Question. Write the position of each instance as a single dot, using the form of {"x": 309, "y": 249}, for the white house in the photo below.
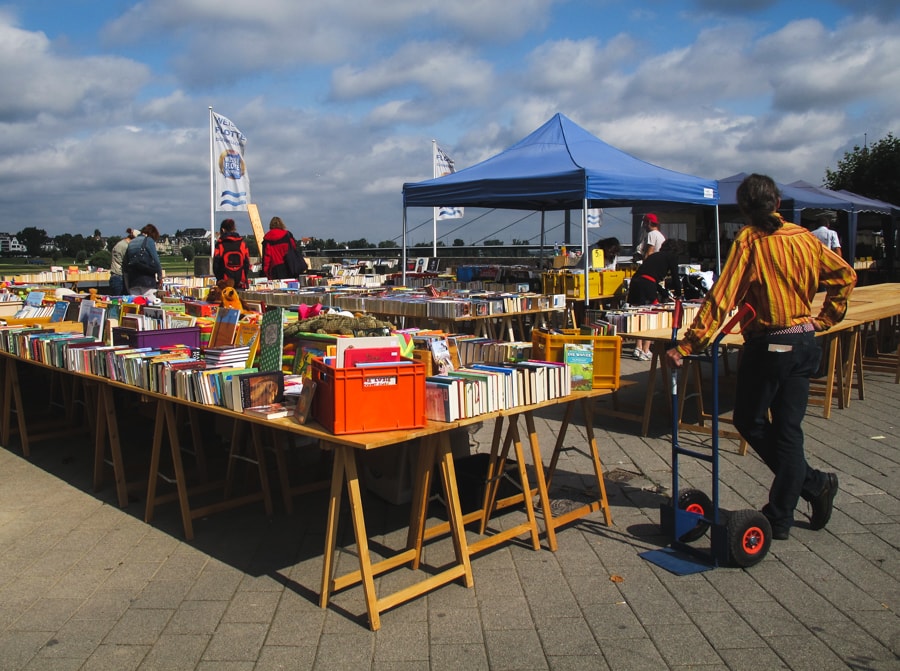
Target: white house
{"x": 9, "y": 244}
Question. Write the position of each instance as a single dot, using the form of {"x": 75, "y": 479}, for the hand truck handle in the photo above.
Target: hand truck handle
{"x": 745, "y": 309}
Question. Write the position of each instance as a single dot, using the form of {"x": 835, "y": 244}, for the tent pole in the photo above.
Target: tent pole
{"x": 718, "y": 245}
{"x": 585, "y": 256}
{"x": 541, "y": 255}
{"x": 403, "y": 256}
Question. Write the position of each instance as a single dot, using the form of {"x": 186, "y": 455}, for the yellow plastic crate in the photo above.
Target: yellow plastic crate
{"x": 607, "y": 353}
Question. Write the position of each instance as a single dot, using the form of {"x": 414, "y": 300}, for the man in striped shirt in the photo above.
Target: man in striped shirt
{"x": 777, "y": 268}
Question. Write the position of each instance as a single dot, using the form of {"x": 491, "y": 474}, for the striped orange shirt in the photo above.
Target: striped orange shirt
{"x": 778, "y": 274}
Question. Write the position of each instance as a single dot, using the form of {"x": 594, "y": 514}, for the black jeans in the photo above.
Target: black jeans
{"x": 773, "y": 377}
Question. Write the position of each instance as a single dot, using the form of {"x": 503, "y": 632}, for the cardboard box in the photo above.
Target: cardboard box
{"x": 607, "y": 353}
{"x": 371, "y": 398}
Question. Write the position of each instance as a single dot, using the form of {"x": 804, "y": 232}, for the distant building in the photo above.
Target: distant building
{"x": 9, "y": 244}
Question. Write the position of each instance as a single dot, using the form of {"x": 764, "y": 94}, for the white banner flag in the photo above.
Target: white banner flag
{"x": 232, "y": 182}
{"x": 443, "y": 165}
{"x": 594, "y": 218}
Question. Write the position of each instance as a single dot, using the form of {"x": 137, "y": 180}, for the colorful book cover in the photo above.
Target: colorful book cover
{"x": 248, "y": 336}
{"x": 579, "y": 359}
{"x": 271, "y": 340}
{"x": 225, "y": 327}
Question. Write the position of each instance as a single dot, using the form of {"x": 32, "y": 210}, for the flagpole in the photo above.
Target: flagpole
{"x": 212, "y": 185}
{"x": 434, "y": 209}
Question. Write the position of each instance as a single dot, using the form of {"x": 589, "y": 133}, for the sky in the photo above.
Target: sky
{"x": 104, "y": 104}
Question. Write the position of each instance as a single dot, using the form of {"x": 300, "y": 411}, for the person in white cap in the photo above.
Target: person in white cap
{"x": 116, "y": 277}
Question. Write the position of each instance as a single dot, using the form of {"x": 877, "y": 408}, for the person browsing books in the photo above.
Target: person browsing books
{"x": 116, "y": 276}
{"x": 644, "y": 286}
{"x": 232, "y": 258}
{"x": 610, "y": 248}
{"x": 140, "y": 265}
{"x": 277, "y": 242}
{"x": 776, "y": 267}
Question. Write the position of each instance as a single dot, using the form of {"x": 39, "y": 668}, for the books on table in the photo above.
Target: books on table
{"x": 268, "y": 411}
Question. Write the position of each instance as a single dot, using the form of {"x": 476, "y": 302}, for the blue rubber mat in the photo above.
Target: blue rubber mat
{"x": 679, "y": 563}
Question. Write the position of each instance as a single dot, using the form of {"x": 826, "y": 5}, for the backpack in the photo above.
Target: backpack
{"x": 140, "y": 263}
{"x": 233, "y": 260}
{"x": 295, "y": 262}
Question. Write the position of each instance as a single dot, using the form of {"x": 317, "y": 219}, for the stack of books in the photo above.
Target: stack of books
{"x": 226, "y": 356}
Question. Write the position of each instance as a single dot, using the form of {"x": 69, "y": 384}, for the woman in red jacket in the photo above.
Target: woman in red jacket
{"x": 276, "y": 244}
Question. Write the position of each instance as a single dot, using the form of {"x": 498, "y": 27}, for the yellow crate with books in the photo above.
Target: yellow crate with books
{"x": 574, "y": 285}
{"x": 549, "y": 346}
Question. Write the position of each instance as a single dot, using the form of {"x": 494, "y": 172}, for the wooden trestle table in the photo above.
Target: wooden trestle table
{"x": 435, "y": 450}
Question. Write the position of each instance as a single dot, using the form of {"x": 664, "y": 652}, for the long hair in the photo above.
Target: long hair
{"x": 151, "y": 232}
{"x": 758, "y": 197}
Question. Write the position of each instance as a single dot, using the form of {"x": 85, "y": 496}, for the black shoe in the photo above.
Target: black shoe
{"x": 780, "y": 532}
{"x": 823, "y": 503}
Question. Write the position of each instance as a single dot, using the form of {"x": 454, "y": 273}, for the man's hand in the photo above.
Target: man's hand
{"x": 674, "y": 357}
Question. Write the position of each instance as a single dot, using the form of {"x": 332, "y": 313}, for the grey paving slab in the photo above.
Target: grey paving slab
{"x": 86, "y": 585}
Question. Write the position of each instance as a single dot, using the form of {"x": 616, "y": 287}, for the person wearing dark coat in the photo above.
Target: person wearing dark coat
{"x": 276, "y": 244}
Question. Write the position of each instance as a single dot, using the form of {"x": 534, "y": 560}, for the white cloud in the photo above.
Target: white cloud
{"x": 38, "y": 81}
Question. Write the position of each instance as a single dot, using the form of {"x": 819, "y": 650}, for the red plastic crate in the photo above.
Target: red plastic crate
{"x": 376, "y": 398}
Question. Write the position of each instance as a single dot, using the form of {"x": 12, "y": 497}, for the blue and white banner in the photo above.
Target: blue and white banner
{"x": 232, "y": 182}
{"x": 443, "y": 165}
{"x": 594, "y": 218}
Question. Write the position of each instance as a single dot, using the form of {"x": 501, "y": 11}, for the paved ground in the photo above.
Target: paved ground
{"x": 85, "y": 585}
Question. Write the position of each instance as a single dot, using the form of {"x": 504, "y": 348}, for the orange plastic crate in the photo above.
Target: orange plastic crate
{"x": 372, "y": 398}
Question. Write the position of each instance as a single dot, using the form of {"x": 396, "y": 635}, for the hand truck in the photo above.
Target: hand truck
{"x": 738, "y": 538}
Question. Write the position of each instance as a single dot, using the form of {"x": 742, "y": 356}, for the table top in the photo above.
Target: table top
{"x": 868, "y": 303}
{"x": 362, "y": 441}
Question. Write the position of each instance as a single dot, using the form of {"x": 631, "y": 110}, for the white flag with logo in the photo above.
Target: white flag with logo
{"x": 443, "y": 165}
{"x": 232, "y": 182}
{"x": 594, "y": 218}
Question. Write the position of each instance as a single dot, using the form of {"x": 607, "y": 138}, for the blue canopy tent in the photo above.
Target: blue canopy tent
{"x": 794, "y": 199}
{"x": 857, "y": 204}
{"x": 560, "y": 166}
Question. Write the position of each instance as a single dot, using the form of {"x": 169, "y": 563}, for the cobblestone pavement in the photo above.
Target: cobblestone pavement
{"x": 87, "y": 585}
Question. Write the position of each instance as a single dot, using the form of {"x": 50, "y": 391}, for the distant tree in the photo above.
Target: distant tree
{"x": 422, "y": 244}
{"x": 493, "y": 242}
{"x": 201, "y": 247}
{"x": 516, "y": 241}
{"x": 32, "y": 238}
{"x": 362, "y": 243}
{"x": 97, "y": 233}
{"x": 92, "y": 245}
{"x": 387, "y": 244}
{"x": 55, "y": 255}
{"x": 75, "y": 244}
{"x": 252, "y": 245}
{"x": 81, "y": 256}
{"x": 330, "y": 243}
{"x": 112, "y": 241}
{"x": 459, "y": 242}
{"x": 101, "y": 259}
{"x": 872, "y": 171}
{"x": 188, "y": 252}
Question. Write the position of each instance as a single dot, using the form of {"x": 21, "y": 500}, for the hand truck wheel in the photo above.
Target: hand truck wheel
{"x": 695, "y": 501}
{"x": 749, "y": 537}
